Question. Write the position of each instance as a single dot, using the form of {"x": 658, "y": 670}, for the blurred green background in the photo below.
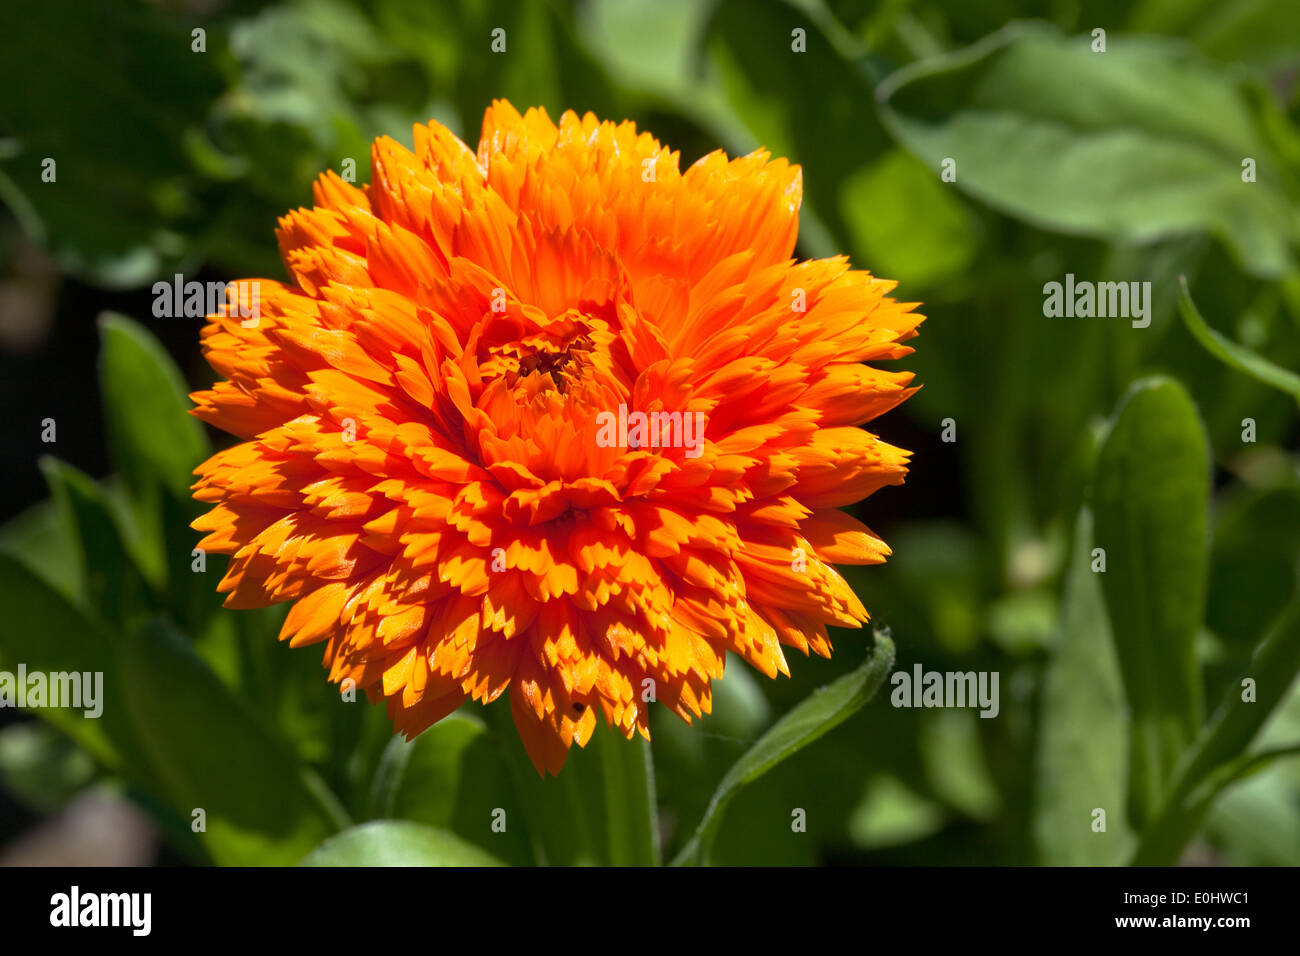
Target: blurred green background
{"x": 1122, "y": 165}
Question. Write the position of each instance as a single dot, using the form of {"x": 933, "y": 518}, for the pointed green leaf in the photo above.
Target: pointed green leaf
{"x": 44, "y": 632}
{"x": 153, "y": 439}
{"x": 111, "y": 584}
{"x": 812, "y": 717}
{"x": 1151, "y": 502}
{"x": 1083, "y": 730}
{"x": 1233, "y": 355}
{"x": 260, "y": 804}
{"x": 397, "y": 843}
{"x": 40, "y": 539}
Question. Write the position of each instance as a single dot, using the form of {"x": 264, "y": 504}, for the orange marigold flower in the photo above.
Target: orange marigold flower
{"x": 555, "y": 417}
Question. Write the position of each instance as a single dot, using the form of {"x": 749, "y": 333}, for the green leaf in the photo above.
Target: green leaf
{"x": 1142, "y": 142}
{"x": 1083, "y": 730}
{"x": 192, "y": 596}
{"x": 397, "y": 843}
{"x": 1256, "y": 822}
{"x": 1219, "y": 757}
{"x": 40, "y": 539}
{"x": 261, "y": 805}
{"x": 452, "y": 776}
{"x": 650, "y": 45}
{"x": 1233, "y": 355}
{"x": 891, "y": 814}
{"x": 111, "y": 584}
{"x": 1258, "y": 33}
{"x": 814, "y": 716}
{"x": 153, "y": 438}
{"x": 1151, "y": 502}
{"x": 907, "y": 223}
{"x": 44, "y": 632}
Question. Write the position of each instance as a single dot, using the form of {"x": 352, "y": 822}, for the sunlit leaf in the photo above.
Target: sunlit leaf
{"x": 810, "y": 719}
{"x": 397, "y": 843}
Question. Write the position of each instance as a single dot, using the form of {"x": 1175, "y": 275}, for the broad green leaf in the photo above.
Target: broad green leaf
{"x": 110, "y": 584}
{"x": 40, "y": 539}
{"x": 1082, "y": 762}
{"x": 809, "y": 720}
{"x": 649, "y": 44}
{"x": 1142, "y": 142}
{"x": 453, "y": 777}
{"x": 1257, "y": 822}
{"x": 1260, "y": 33}
{"x": 1234, "y": 355}
{"x": 1151, "y": 505}
{"x": 397, "y": 843}
{"x": 906, "y": 223}
{"x": 153, "y": 438}
{"x": 261, "y": 805}
{"x": 43, "y": 632}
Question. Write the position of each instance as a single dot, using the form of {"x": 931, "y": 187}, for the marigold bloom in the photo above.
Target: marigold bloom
{"x": 422, "y": 469}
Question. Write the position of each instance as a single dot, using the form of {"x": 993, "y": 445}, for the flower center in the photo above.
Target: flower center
{"x": 564, "y": 365}
{"x": 559, "y": 351}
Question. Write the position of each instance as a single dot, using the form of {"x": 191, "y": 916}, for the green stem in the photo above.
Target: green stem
{"x": 519, "y": 768}
{"x": 627, "y": 769}
{"x": 1214, "y": 762}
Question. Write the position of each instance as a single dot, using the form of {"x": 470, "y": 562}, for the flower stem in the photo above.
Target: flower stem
{"x": 627, "y": 769}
